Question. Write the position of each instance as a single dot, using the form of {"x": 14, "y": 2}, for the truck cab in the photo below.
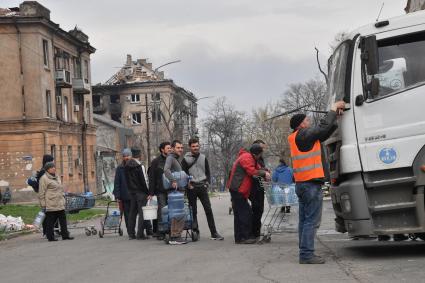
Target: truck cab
{"x": 377, "y": 155}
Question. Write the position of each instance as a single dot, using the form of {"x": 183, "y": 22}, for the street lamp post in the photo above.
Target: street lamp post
{"x": 157, "y": 104}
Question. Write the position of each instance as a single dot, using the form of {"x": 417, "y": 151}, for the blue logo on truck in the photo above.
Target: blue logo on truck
{"x": 388, "y": 155}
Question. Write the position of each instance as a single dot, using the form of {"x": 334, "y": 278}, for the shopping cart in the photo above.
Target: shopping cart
{"x": 111, "y": 222}
{"x": 279, "y": 197}
{"x": 74, "y": 203}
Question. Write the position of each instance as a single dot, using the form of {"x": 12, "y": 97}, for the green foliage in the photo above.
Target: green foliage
{"x": 28, "y": 213}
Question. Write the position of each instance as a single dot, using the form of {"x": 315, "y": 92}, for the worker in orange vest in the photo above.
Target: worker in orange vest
{"x": 309, "y": 175}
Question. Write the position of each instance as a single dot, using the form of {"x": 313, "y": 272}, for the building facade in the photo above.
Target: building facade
{"x": 46, "y": 98}
{"x": 112, "y": 138}
{"x": 155, "y": 108}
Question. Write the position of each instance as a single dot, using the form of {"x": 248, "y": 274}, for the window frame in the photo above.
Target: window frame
{"x": 133, "y": 121}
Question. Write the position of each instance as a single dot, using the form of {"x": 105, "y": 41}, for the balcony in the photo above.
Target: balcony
{"x": 63, "y": 78}
{"x": 80, "y": 86}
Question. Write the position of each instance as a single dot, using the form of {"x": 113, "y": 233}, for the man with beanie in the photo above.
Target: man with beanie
{"x": 195, "y": 164}
{"x": 240, "y": 183}
{"x": 309, "y": 174}
{"x": 139, "y": 194}
{"x": 120, "y": 187}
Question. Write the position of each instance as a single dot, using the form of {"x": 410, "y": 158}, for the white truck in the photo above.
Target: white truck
{"x": 377, "y": 155}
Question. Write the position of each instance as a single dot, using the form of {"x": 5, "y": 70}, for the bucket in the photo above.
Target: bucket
{"x": 150, "y": 212}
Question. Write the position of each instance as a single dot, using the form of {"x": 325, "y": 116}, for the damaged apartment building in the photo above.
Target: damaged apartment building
{"x": 46, "y": 99}
{"x": 140, "y": 98}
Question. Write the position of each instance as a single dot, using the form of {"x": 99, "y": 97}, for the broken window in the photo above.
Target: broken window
{"x": 136, "y": 118}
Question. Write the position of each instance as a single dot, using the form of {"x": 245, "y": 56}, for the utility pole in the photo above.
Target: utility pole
{"x": 148, "y": 143}
{"x": 157, "y": 104}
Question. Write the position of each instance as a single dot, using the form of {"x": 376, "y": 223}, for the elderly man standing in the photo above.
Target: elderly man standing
{"x": 309, "y": 174}
{"x": 120, "y": 187}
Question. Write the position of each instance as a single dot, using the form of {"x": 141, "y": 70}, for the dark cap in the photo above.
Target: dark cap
{"x": 296, "y": 120}
{"x": 256, "y": 149}
{"x": 49, "y": 165}
{"x": 136, "y": 152}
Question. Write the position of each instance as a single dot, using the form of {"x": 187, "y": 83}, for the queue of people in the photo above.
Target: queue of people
{"x": 132, "y": 188}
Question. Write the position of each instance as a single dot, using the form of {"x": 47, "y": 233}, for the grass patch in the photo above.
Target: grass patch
{"x": 104, "y": 202}
{"x": 28, "y": 213}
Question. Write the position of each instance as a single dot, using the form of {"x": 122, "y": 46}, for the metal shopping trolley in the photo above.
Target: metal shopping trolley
{"x": 74, "y": 203}
{"x": 279, "y": 196}
{"x": 111, "y": 222}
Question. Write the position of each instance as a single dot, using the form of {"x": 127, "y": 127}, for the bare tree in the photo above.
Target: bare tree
{"x": 274, "y": 132}
{"x": 312, "y": 93}
{"x": 224, "y": 129}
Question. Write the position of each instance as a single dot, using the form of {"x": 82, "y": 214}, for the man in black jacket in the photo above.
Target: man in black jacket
{"x": 139, "y": 194}
{"x": 155, "y": 172}
{"x": 120, "y": 187}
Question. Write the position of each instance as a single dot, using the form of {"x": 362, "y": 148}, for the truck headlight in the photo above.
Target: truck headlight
{"x": 345, "y": 203}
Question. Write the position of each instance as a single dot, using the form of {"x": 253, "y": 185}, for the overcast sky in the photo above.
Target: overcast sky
{"x": 248, "y": 51}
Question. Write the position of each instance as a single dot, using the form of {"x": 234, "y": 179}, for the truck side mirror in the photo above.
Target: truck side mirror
{"x": 369, "y": 55}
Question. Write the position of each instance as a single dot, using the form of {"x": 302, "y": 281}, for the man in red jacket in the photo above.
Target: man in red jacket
{"x": 240, "y": 184}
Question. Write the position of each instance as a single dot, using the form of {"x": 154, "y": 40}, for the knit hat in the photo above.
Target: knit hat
{"x": 126, "y": 152}
{"x": 47, "y": 158}
{"x": 296, "y": 120}
{"x": 256, "y": 149}
{"x": 136, "y": 152}
{"x": 49, "y": 165}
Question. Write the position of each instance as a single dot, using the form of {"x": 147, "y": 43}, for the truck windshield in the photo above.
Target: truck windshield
{"x": 337, "y": 72}
{"x": 401, "y": 63}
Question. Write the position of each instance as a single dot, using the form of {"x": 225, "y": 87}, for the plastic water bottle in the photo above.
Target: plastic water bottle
{"x": 38, "y": 221}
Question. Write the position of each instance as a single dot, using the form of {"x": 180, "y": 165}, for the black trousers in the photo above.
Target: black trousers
{"x": 201, "y": 192}
{"x": 242, "y": 214}
{"x": 126, "y": 210}
{"x": 50, "y": 220}
{"x": 162, "y": 201}
{"x": 137, "y": 201}
{"x": 257, "y": 201}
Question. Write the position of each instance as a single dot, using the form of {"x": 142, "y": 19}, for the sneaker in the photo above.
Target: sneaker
{"x": 217, "y": 236}
{"x": 314, "y": 260}
{"x": 178, "y": 241}
{"x": 68, "y": 238}
{"x": 131, "y": 237}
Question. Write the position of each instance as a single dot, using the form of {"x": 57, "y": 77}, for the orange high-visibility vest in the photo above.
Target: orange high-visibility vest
{"x": 306, "y": 165}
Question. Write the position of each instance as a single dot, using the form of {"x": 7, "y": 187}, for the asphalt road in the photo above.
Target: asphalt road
{"x": 116, "y": 259}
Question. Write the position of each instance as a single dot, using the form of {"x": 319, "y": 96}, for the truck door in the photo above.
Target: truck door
{"x": 389, "y": 115}
{"x": 391, "y": 123}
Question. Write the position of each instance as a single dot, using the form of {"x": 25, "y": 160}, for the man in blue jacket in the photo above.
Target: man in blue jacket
{"x": 120, "y": 186}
